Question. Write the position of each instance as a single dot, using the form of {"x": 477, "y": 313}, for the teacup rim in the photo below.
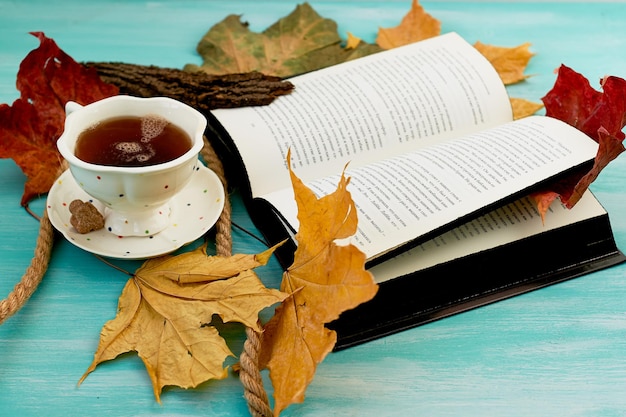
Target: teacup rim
{"x": 79, "y": 163}
{"x": 194, "y": 151}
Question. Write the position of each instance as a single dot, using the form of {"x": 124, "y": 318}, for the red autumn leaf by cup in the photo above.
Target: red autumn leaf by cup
{"x": 47, "y": 79}
{"x": 599, "y": 114}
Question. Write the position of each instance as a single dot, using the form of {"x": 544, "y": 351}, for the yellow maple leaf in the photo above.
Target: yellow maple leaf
{"x": 325, "y": 279}
{"x": 196, "y": 266}
{"x": 510, "y": 63}
{"x": 415, "y": 26}
{"x": 523, "y": 108}
{"x": 353, "y": 41}
{"x": 167, "y": 322}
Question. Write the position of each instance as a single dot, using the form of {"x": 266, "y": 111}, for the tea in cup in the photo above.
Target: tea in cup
{"x": 133, "y": 155}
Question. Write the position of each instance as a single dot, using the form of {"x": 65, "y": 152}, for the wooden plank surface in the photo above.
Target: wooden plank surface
{"x": 557, "y": 351}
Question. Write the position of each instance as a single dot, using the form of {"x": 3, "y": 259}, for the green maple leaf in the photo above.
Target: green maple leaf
{"x": 301, "y": 42}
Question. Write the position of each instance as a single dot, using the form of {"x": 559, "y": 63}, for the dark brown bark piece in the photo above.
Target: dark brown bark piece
{"x": 200, "y": 90}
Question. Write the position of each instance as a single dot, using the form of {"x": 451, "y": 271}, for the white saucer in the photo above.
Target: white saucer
{"x": 194, "y": 210}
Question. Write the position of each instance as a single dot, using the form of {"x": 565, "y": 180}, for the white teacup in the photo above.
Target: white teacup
{"x": 136, "y": 198}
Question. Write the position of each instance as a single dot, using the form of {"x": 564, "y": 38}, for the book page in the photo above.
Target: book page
{"x": 407, "y": 196}
{"x": 368, "y": 109}
{"x": 504, "y": 225}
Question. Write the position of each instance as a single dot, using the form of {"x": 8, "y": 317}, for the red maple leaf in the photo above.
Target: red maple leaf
{"x": 601, "y": 115}
{"x": 573, "y": 100}
{"x": 47, "y": 79}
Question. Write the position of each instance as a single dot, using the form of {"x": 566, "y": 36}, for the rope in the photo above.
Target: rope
{"x": 250, "y": 376}
{"x": 34, "y": 273}
{"x": 223, "y": 237}
{"x": 249, "y": 373}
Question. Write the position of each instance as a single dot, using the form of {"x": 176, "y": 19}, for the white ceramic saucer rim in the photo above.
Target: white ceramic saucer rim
{"x": 200, "y": 202}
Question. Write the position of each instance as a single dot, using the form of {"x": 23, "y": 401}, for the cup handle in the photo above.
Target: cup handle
{"x": 72, "y": 106}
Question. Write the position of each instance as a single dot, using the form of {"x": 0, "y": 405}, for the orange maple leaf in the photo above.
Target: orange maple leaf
{"x": 325, "y": 279}
{"x": 415, "y": 26}
{"x": 509, "y": 62}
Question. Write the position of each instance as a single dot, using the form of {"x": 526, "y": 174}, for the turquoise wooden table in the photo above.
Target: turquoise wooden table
{"x": 558, "y": 351}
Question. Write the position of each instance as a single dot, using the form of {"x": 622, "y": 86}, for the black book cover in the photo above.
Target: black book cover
{"x": 480, "y": 278}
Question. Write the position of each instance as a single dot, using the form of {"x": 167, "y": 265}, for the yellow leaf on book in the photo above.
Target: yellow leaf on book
{"x": 325, "y": 279}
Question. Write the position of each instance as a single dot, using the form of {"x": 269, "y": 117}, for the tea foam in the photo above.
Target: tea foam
{"x": 130, "y": 151}
{"x": 151, "y": 127}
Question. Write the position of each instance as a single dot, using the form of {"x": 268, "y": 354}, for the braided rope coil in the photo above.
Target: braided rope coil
{"x": 34, "y": 273}
{"x": 249, "y": 374}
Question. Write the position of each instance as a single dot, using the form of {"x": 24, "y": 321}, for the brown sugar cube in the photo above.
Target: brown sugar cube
{"x": 85, "y": 217}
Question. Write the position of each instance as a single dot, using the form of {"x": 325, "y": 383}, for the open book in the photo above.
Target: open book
{"x": 427, "y": 134}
